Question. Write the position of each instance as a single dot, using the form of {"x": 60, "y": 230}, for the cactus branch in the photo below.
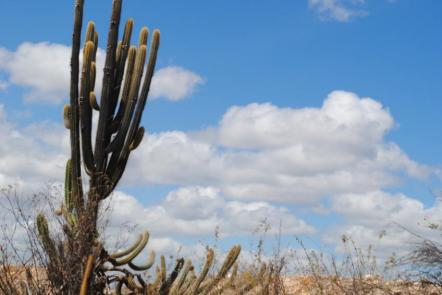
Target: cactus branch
{"x": 108, "y": 80}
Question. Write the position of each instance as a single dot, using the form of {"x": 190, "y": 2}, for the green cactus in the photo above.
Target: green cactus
{"x": 128, "y": 73}
{"x": 43, "y": 232}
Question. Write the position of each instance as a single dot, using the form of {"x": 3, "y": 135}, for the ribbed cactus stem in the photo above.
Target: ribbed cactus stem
{"x": 175, "y": 289}
{"x": 204, "y": 271}
{"x": 234, "y": 274}
{"x": 68, "y": 204}
{"x": 128, "y": 250}
{"x": 93, "y": 101}
{"x": 144, "y": 33}
{"x": 146, "y": 266}
{"x": 67, "y": 116}
{"x": 137, "y": 139}
{"x": 93, "y": 75}
{"x": 96, "y": 45}
{"x": 156, "y": 284}
{"x": 118, "y": 53}
{"x": 90, "y": 31}
{"x": 118, "y": 134}
{"x": 43, "y": 232}
{"x": 122, "y": 159}
{"x": 228, "y": 263}
{"x": 165, "y": 287}
{"x": 131, "y": 255}
{"x": 163, "y": 269}
{"x": 131, "y": 102}
{"x": 85, "y": 109}
{"x": 106, "y": 101}
{"x": 190, "y": 280}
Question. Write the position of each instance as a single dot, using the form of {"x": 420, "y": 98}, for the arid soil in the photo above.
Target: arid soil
{"x": 307, "y": 285}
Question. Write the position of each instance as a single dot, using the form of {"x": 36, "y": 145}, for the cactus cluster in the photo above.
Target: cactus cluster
{"x": 128, "y": 73}
{"x": 79, "y": 264}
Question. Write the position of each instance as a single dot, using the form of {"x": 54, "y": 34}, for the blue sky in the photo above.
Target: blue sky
{"x": 265, "y": 57}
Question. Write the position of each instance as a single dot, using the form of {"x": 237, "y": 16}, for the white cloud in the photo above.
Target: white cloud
{"x": 198, "y": 211}
{"x": 338, "y": 10}
{"x": 174, "y": 83}
{"x": 43, "y": 70}
{"x": 232, "y": 174}
{"x": 34, "y": 154}
{"x": 263, "y": 152}
{"x": 378, "y": 218}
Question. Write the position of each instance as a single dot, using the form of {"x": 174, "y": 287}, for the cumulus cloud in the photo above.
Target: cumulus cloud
{"x": 338, "y": 10}
{"x": 384, "y": 220}
{"x": 233, "y": 174}
{"x": 43, "y": 70}
{"x": 263, "y": 152}
{"x": 34, "y": 154}
{"x": 198, "y": 211}
{"x": 174, "y": 83}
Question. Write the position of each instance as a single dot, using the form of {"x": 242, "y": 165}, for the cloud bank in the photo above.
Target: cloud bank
{"x": 43, "y": 70}
{"x": 258, "y": 163}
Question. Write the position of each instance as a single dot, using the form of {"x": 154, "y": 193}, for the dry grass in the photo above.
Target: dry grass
{"x": 310, "y": 285}
{"x": 355, "y": 272}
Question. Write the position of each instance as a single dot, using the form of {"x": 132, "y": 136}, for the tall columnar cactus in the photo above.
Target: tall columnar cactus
{"x": 79, "y": 264}
{"x": 125, "y": 88}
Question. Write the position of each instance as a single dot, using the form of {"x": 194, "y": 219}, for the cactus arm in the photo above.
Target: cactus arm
{"x": 121, "y": 57}
{"x": 126, "y": 87}
{"x": 133, "y": 93}
{"x": 153, "y": 287}
{"x": 108, "y": 80}
{"x": 234, "y": 274}
{"x": 87, "y": 275}
{"x": 68, "y": 187}
{"x": 43, "y": 232}
{"x": 134, "y": 128}
{"x": 134, "y": 253}
{"x": 228, "y": 263}
{"x": 137, "y": 139}
{"x": 144, "y": 34}
{"x": 190, "y": 280}
{"x": 85, "y": 107}
{"x": 207, "y": 265}
{"x": 146, "y": 85}
{"x": 165, "y": 287}
{"x": 120, "y": 62}
{"x": 90, "y": 32}
{"x": 163, "y": 269}
{"x": 93, "y": 101}
{"x": 174, "y": 290}
{"x": 128, "y": 250}
{"x": 146, "y": 266}
{"x": 141, "y": 282}
{"x": 96, "y": 45}
{"x": 119, "y": 114}
{"x": 129, "y": 144}
{"x": 67, "y": 116}
{"x": 93, "y": 74}
{"x": 77, "y": 189}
